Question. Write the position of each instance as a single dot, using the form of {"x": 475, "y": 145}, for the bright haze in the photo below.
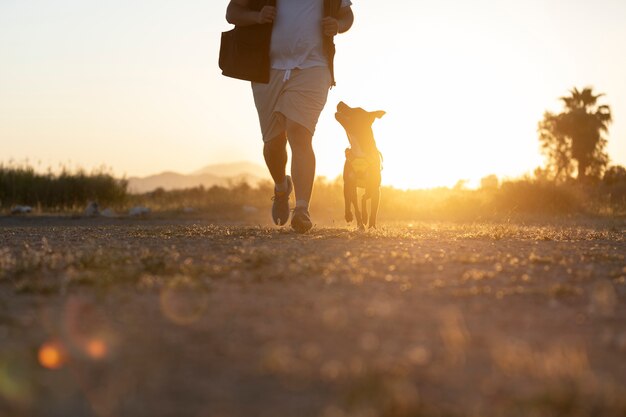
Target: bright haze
{"x": 134, "y": 85}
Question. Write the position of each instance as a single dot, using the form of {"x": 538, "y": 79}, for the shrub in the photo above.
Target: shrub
{"x": 538, "y": 197}
{"x": 22, "y": 185}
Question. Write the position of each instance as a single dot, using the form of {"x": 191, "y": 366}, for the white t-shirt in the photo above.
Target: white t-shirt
{"x": 297, "y": 39}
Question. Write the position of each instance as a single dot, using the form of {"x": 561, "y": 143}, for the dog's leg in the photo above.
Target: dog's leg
{"x": 357, "y": 212}
{"x": 347, "y": 198}
{"x": 375, "y": 203}
{"x": 349, "y": 193}
{"x": 364, "y": 207}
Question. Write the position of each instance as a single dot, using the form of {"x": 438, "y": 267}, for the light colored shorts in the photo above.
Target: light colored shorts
{"x": 300, "y": 97}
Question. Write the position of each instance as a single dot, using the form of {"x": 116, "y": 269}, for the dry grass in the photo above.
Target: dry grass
{"x": 70, "y": 191}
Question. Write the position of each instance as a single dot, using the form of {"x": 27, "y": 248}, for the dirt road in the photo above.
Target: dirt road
{"x": 188, "y": 318}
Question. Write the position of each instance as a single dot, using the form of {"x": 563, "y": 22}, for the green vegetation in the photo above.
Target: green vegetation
{"x": 512, "y": 198}
{"x": 70, "y": 192}
{"x": 20, "y": 184}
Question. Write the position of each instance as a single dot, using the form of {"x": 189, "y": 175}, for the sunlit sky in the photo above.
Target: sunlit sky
{"x": 134, "y": 85}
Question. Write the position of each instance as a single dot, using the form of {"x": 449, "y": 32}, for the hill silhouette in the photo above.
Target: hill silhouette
{"x": 234, "y": 169}
{"x": 208, "y": 176}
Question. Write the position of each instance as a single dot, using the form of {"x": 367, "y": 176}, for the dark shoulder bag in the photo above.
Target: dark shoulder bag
{"x": 245, "y": 50}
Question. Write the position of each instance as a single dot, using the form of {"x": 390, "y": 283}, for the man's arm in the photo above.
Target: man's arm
{"x": 345, "y": 19}
{"x": 341, "y": 24}
{"x": 238, "y": 13}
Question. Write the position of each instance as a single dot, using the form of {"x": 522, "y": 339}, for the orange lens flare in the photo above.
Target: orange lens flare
{"x": 52, "y": 355}
{"x": 96, "y": 349}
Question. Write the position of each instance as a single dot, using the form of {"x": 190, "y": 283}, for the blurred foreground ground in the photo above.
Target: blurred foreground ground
{"x": 119, "y": 317}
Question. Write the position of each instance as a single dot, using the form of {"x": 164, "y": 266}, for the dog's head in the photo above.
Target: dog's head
{"x": 358, "y": 124}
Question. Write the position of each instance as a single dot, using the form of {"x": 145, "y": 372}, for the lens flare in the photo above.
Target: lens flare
{"x": 96, "y": 349}
{"x": 52, "y": 355}
{"x": 16, "y": 380}
{"x": 87, "y": 330}
{"x": 183, "y": 300}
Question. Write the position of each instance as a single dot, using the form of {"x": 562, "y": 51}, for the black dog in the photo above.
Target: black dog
{"x": 363, "y": 163}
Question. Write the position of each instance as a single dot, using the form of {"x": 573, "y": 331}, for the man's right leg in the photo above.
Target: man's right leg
{"x": 275, "y": 154}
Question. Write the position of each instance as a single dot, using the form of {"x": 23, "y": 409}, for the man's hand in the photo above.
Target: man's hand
{"x": 239, "y": 14}
{"x": 330, "y": 26}
{"x": 267, "y": 15}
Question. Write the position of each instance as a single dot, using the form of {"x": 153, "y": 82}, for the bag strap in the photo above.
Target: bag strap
{"x": 331, "y": 7}
{"x": 259, "y": 4}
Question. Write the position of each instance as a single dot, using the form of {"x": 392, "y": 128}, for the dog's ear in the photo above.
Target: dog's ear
{"x": 378, "y": 114}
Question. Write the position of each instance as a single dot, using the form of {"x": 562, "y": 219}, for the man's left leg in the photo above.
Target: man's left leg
{"x": 302, "y": 173}
{"x": 302, "y": 161}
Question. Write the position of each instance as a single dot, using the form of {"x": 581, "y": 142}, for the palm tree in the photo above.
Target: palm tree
{"x": 584, "y": 122}
{"x": 556, "y": 147}
{"x": 576, "y": 134}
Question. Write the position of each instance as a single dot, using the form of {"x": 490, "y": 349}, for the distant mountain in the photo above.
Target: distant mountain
{"x": 234, "y": 169}
{"x": 210, "y": 175}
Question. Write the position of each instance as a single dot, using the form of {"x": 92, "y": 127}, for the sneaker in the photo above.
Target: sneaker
{"x": 280, "y": 207}
{"x": 301, "y": 220}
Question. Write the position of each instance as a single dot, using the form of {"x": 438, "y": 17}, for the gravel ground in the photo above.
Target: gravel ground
{"x": 167, "y": 317}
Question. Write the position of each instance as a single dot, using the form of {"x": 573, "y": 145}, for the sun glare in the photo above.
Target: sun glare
{"x": 466, "y": 107}
{"x": 441, "y": 142}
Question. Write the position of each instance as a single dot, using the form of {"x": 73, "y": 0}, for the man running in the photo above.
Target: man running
{"x": 289, "y": 106}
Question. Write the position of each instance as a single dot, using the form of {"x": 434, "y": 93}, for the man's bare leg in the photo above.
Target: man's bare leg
{"x": 302, "y": 161}
{"x": 275, "y": 154}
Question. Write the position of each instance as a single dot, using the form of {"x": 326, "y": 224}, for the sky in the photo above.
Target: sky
{"x": 134, "y": 86}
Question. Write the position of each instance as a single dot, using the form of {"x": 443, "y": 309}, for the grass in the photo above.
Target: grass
{"x": 66, "y": 190}
{"x": 70, "y": 191}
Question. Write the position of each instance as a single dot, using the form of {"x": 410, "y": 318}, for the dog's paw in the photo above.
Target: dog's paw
{"x": 349, "y": 217}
